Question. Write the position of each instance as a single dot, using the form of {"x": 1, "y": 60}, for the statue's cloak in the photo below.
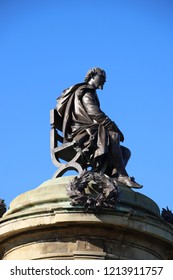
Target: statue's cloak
{"x": 83, "y": 121}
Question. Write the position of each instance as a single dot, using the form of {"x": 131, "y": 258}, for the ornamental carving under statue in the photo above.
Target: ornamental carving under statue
{"x": 93, "y": 190}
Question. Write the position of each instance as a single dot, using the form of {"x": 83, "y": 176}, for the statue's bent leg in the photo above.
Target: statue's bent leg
{"x": 116, "y": 154}
{"x": 126, "y": 153}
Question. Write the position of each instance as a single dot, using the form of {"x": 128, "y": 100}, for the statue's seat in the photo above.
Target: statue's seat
{"x": 65, "y": 156}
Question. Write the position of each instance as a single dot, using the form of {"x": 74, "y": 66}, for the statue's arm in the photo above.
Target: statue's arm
{"x": 93, "y": 110}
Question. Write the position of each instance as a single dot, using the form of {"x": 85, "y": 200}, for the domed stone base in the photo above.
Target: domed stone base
{"x": 42, "y": 224}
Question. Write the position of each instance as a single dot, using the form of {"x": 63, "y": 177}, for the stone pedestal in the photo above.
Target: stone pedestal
{"x": 41, "y": 224}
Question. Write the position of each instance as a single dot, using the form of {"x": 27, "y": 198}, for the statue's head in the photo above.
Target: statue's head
{"x": 96, "y": 76}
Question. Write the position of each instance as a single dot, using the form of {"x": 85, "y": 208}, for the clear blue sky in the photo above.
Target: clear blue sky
{"x": 47, "y": 46}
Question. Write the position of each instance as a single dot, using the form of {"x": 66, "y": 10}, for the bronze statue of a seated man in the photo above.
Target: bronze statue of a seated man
{"x": 94, "y": 132}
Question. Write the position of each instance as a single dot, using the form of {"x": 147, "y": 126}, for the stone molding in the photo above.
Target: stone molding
{"x": 41, "y": 224}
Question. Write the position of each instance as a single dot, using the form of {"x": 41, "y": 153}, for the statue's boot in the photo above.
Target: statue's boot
{"x": 129, "y": 182}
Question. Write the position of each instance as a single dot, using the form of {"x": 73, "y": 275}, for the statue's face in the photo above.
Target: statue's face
{"x": 98, "y": 81}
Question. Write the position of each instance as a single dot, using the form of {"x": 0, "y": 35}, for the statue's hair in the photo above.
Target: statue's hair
{"x": 92, "y": 72}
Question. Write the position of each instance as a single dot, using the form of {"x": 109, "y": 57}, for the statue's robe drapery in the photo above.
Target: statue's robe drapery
{"x": 82, "y": 120}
